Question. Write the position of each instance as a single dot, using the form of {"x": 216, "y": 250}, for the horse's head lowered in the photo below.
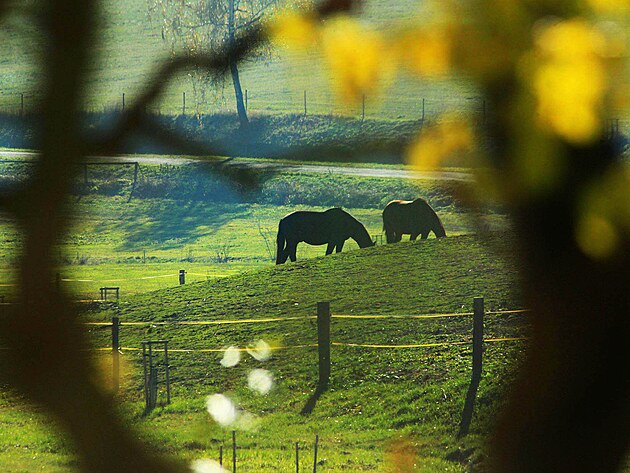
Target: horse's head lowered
{"x": 361, "y": 235}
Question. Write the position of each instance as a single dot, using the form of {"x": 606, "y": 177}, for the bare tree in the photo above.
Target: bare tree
{"x": 206, "y": 25}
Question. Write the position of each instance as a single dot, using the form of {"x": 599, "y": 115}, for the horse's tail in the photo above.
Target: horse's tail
{"x": 280, "y": 244}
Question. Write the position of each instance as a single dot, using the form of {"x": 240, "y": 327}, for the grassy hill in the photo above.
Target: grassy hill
{"x": 377, "y": 395}
{"x": 380, "y": 399}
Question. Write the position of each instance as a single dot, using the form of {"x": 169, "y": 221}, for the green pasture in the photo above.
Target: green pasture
{"x": 378, "y": 398}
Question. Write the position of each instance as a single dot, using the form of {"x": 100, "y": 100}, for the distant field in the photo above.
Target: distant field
{"x": 131, "y": 46}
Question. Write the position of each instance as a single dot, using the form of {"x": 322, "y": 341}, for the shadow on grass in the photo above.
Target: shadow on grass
{"x": 171, "y": 224}
{"x": 310, "y": 404}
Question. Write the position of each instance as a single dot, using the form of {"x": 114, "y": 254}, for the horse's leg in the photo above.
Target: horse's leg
{"x": 330, "y": 248}
{"x": 340, "y": 246}
{"x": 397, "y": 237}
{"x": 292, "y": 251}
{"x": 281, "y": 257}
{"x": 390, "y": 236}
{"x": 424, "y": 236}
{"x": 413, "y": 236}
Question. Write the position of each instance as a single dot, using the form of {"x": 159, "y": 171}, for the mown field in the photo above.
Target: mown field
{"x": 380, "y": 401}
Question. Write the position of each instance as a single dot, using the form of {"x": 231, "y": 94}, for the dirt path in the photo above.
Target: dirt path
{"x": 381, "y": 172}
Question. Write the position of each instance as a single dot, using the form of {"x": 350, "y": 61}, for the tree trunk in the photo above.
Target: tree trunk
{"x": 238, "y": 91}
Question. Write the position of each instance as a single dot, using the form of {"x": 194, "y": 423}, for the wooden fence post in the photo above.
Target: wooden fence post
{"x": 183, "y": 103}
{"x": 168, "y": 376}
{"x": 297, "y": 457}
{"x": 115, "y": 353}
{"x": 315, "y": 454}
{"x": 477, "y": 364}
{"x": 363, "y": 109}
{"x": 234, "y": 451}
{"x": 477, "y": 352}
{"x": 145, "y": 374}
{"x": 323, "y": 344}
{"x": 305, "y": 103}
{"x": 182, "y": 276}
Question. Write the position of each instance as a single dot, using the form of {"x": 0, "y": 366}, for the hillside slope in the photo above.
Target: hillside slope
{"x": 436, "y": 275}
{"x": 432, "y": 276}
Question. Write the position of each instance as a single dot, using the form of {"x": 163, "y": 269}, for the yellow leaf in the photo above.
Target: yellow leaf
{"x": 426, "y": 52}
{"x": 434, "y": 144}
{"x": 293, "y": 30}
{"x": 355, "y": 57}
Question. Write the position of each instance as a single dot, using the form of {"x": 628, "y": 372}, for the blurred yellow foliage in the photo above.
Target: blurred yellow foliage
{"x": 356, "y": 58}
{"x": 596, "y": 236}
{"x": 569, "y": 79}
{"x": 102, "y": 374}
{"x": 604, "y": 214}
{"x": 435, "y": 143}
{"x": 614, "y": 7}
{"x": 294, "y": 30}
{"x": 426, "y": 52}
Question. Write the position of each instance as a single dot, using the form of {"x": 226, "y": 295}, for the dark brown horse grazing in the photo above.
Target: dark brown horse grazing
{"x": 413, "y": 217}
{"x": 332, "y": 227}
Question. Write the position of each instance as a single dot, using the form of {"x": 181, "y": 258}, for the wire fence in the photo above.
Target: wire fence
{"x": 270, "y": 320}
{"x": 312, "y": 102}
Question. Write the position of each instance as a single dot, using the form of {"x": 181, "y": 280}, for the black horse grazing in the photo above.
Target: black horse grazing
{"x": 332, "y": 227}
{"x": 413, "y": 217}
